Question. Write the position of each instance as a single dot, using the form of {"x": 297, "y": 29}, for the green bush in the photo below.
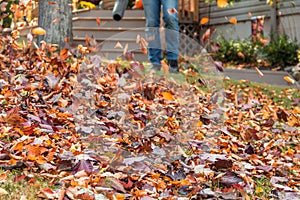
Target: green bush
{"x": 238, "y": 52}
{"x": 281, "y": 51}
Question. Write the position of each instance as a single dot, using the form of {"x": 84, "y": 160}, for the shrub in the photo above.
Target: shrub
{"x": 281, "y": 51}
{"x": 238, "y": 52}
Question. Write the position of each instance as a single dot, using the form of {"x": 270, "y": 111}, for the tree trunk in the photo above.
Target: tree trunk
{"x": 55, "y": 16}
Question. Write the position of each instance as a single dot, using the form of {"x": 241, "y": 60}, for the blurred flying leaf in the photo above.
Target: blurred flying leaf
{"x": 98, "y": 20}
{"x": 233, "y": 20}
{"x": 172, "y": 11}
{"x": 204, "y": 20}
{"x": 38, "y": 31}
{"x": 222, "y": 3}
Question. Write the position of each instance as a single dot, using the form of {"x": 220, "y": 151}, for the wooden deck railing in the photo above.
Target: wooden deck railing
{"x": 188, "y": 11}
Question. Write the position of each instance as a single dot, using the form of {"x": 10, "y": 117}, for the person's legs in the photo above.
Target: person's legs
{"x": 171, "y": 32}
{"x": 152, "y": 13}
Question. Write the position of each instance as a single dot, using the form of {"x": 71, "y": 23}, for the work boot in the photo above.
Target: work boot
{"x": 173, "y": 66}
{"x": 156, "y": 67}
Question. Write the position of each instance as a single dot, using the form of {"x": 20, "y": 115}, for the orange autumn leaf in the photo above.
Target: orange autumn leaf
{"x": 222, "y": 3}
{"x": 38, "y": 31}
{"x": 204, "y": 20}
{"x": 18, "y": 13}
{"x": 233, "y": 20}
{"x": 168, "y": 96}
{"x": 98, "y": 20}
{"x": 140, "y": 193}
{"x": 64, "y": 54}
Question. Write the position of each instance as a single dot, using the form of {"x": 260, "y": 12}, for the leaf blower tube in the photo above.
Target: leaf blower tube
{"x": 119, "y": 9}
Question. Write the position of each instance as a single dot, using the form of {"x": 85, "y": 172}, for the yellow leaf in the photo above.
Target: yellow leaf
{"x": 233, "y": 20}
{"x": 204, "y": 20}
{"x": 38, "y": 31}
{"x": 222, "y": 3}
{"x": 168, "y": 96}
{"x": 258, "y": 190}
{"x": 290, "y": 151}
{"x": 289, "y": 79}
{"x": 292, "y": 120}
{"x": 198, "y": 123}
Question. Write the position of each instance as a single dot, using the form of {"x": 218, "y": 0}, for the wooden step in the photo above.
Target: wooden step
{"x": 107, "y": 32}
{"x": 106, "y": 13}
{"x": 128, "y": 22}
{"x": 114, "y": 54}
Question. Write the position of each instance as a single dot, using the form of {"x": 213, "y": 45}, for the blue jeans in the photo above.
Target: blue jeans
{"x": 152, "y": 9}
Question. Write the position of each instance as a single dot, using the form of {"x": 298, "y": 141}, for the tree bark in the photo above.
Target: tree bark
{"x": 55, "y": 16}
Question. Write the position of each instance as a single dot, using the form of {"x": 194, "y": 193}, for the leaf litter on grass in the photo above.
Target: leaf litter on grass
{"x": 102, "y": 130}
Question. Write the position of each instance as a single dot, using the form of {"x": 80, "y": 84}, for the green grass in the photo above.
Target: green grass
{"x": 27, "y": 186}
{"x": 281, "y": 96}
{"x": 263, "y": 187}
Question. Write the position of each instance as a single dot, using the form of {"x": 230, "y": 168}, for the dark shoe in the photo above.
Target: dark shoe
{"x": 173, "y": 66}
{"x": 156, "y": 67}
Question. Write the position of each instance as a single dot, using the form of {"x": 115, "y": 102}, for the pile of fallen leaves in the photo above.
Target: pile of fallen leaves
{"x": 107, "y": 130}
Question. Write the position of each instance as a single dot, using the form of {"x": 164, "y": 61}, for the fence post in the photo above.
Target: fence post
{"x": 273, "y": 12}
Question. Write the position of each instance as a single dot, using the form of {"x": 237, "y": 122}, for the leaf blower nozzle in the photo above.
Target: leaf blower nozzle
{"x": 119, "y": 9}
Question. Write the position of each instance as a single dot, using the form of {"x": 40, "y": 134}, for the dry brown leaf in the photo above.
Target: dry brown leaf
{"x": 138, "y": 38}
{"x": 125, "y": 51}
{"x": 205, "y": 36}
{"x": 165, "y": 67}
{"x": 260, "y": 74}
{"x": 172, "y": 11}
{"x": 144, "y": 46}
{"x": 55, "y": 20}
{"x": 118, "y": 46}
{"x": 3, "y": 191}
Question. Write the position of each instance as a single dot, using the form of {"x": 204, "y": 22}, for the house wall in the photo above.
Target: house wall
{"x": 288, "y": 21}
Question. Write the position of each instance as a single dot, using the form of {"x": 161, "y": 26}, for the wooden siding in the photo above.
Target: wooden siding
{"x": 288, "y": 20}
{"x": 241, "y": 9}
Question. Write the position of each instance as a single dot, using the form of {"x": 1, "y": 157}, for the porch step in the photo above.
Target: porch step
{"x": 106, "y": 13}
{"x": 113, "y": 54}
{"x": 109, "y": 32}
{"x": 128, "y": 22}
